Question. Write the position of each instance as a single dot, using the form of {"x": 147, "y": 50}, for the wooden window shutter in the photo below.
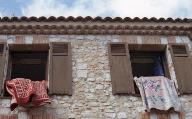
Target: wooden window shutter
{"x": 41, "y": 116}
{"x": 183, "y": 67}
{"x": 60, "y": 77}
{"x": 144, "y": 115}
{"x": 163, "y": 116}
{"x": 2, "y": 65}
{"x": 120, "y": 68}
{"x": 159, "y": 115}
{"x": 13, "y": 116}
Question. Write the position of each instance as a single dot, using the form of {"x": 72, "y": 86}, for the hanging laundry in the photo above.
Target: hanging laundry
{"x": 40, "y": 96}
{"x": 22, "y": 90}
{"x": 158, "y": 92}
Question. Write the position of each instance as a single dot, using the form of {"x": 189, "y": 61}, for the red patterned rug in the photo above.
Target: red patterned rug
{"x": 24, "y": 91}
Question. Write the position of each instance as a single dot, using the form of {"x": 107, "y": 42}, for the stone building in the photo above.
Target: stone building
{"x": 88, "y": 63}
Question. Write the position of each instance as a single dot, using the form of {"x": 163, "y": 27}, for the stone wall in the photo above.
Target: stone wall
{"x": 92, "y": 90}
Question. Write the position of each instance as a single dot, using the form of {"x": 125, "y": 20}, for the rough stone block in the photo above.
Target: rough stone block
{"x": 90, "y": 79}
{"x": 110, "y": 115}
{"x": 171, "y": 39}
{"x": 151, "y": 39}
{"x": 82, "y": 73}
{"x": 99, "y": 87}
{"x": 28, "y": 39}
{"x": 122, "y": 115}
{"x": 178, "y": 39}
{"x": 82, "y": 66}
{"x": 3, "y": 37}
{"x": 22, "y": 115}
{"x": 164, "y": 40}
{"x": 139, "y": 40}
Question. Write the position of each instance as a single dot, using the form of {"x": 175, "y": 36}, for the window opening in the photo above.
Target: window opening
{"x": 28, "y": 64}
{"x": 147, "y": 64}
{"x": 31, "y": 65}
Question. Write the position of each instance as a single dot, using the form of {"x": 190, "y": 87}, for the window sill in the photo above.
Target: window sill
{"x": 4, "y": 97}
{"x": 135, "y": 95}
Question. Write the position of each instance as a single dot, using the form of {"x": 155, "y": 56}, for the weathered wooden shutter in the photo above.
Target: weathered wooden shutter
{"x": 41, "y": 116}
{"x": 121, "y": 71}
{"x": 163, "y": 116}
{"x": 144, "y": 115}
{"x": 14, "y": 116}
{"x": 2, "y": 65}
{"x": 157, "y": 115}
{"x": 183, "y": 67}
{"x": 60, "y": 68}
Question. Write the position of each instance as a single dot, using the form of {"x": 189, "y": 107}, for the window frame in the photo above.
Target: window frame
{"x": 65, "y": 86}
{"x": 22, "y": 48}
{"x": 142, "y": 47}
{"x": 161, "y": 48}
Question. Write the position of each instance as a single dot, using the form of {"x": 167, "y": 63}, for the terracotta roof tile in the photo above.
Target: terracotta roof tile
{"x": 98, "y": 25}
{"x": 95, "y": 19}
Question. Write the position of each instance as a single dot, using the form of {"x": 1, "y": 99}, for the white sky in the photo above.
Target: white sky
{"x": 113, "y": 8}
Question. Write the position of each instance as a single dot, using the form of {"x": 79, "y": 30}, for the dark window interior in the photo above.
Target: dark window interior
{"x": 147, "y": 64}
{"x": 31, "y": 65}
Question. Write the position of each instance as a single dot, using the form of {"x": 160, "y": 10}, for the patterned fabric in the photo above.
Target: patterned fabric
{"x": 158, "y": 92}
{"x": 22, "y": 90}
{"x": 40, "y": 96}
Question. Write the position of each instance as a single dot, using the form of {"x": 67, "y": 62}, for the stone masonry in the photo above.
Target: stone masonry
{"x": 92, "y": 96}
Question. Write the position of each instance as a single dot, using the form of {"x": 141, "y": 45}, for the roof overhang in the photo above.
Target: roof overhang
{"x": 97, "y": 25}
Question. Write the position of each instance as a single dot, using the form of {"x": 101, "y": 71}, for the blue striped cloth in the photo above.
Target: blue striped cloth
{"x": 158, "y": 69}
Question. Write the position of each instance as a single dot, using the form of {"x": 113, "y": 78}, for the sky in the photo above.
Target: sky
{"x": 103, "y": 8}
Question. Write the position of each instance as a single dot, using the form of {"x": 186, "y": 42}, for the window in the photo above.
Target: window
{"x": 51, "y": 62}
{"x": 27, "y": 61}
{"x": 127, "y": 61}
{"x": 31, "y": 65}
{"x": 147, "y": 63}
